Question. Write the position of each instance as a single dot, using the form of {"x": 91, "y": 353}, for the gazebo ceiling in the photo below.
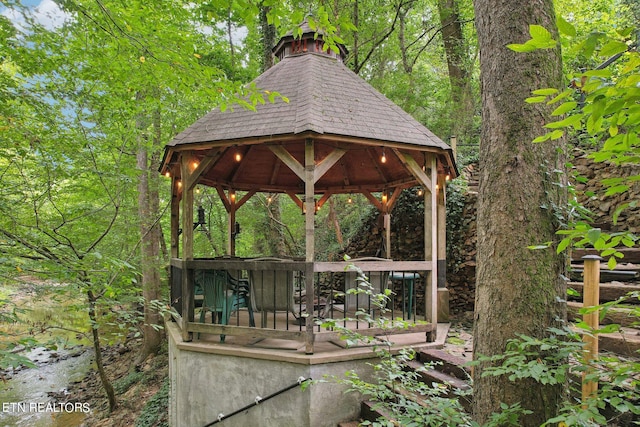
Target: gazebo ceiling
{"x": 328, "y": 104}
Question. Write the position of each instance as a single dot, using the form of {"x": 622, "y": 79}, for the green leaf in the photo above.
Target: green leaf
{"x": 594, "y": 234}
{"x": 561, "y": 96}
{"x": 527, "y": 47}
{"x": 569, "y": 121}
{"x": 542, "y": 138}
{"x": 565, "y": 27}
{"x": 613, "y": 47}
{"x": 564, "y": 108}
{"x": 535, "y": 99}
{"x": 557, "y": 134}
{"x": 546, "y": 91}
{"x": 616, "y": 190}
{"x": 564, "y": 244}
{"x": 605, "y": 74}
{"x": 539, "y": 33}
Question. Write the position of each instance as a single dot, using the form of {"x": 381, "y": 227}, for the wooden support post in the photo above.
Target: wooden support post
{"x": 231, "y": 241}
{"x": 186, "y": 169}
{"x": 443, "y": 292}
{"x": 309, "y": 201}
{"x": 387, "y": 234}
{"x": 431, "y": 247}
{"x": 591, "y": 298}
{"x": 309, "y": 290}
{"x": 176, "y": 193}
{"x": 310, "y": 214}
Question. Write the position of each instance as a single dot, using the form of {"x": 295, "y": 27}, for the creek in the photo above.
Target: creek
{"x": 35, "y": 397}
{"x": 32, "y": 397}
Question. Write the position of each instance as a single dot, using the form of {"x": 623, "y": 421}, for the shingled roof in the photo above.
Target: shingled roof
{"x": 325, "y": 97}
{"x": 326, "y": 102}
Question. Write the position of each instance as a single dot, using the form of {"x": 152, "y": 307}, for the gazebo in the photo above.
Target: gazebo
{"x": 330, "y": 133}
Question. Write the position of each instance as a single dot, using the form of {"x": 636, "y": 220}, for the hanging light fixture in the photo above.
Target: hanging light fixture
{"x": 383, "y": 159}
{"x": 167, "y": 174}
{"x": 232, "y": 195}
{"x": 420, "y": 191}
{"x": 350, "y": 199}
{"x": 384, "y": 197}
{"x": 237, "y": 156}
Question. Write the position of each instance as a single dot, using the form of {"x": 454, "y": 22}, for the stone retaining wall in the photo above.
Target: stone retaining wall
{"x": 407, "y": 224}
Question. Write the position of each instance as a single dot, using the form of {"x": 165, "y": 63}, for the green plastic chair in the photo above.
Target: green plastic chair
{"x": 222, "y": 295}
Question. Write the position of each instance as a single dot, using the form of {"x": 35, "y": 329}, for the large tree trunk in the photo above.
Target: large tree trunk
{"x": 150, "y": 257}
{"x": 518, "y": 290}
{"x": 268, "y": 39}
{"x": 458, "y": 64}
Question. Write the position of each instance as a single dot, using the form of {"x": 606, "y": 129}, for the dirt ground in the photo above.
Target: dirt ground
{"x": 135, "y": 386}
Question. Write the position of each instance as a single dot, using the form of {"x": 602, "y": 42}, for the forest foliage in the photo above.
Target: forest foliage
{"x": 82, "y": 93}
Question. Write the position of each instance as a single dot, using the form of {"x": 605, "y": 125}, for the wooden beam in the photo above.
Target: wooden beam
{"x": 374, "y": 201}
{"x": 323, "y": 199}
{"x": 391, "y": 202}
{"x": 296, "y": 199}
{"x": 289, "y": 160}
{"x": 410, "y": 163}
{"x": 245, "y": 198}
{"x": 203, "y": 166}
{"x": 327, "y": 163}
{"x": 223, "y": 198}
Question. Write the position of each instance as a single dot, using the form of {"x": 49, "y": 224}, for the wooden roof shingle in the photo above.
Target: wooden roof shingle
{"x": 325, "y": 97}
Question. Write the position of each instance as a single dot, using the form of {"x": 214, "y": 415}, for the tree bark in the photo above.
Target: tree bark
{"x": 458, "y": 65}
{"x": 150, "y": 256}
{"x": 268, "y": 38}
{"x": 95, "y": 333}
{"x": 518, "y": 290}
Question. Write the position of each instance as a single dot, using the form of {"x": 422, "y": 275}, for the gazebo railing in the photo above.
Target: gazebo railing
{"x": 286, "y": 304}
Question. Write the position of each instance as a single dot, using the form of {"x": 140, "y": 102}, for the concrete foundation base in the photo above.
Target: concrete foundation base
{"x": 204, "y": 385}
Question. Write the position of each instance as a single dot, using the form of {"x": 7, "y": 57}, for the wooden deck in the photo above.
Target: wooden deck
{"x": 323, "y": 286}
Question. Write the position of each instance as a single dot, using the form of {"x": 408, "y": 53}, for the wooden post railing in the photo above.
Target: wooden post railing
{"x": 591, "y": 298}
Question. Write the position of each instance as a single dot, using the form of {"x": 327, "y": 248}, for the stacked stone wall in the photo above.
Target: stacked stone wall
{"x": 407, "y": 224}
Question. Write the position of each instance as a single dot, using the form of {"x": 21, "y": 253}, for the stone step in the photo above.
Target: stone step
{"x": 630, "y": 254}
{"x": 610, "y": 291}
{"x": 370, "y": 412}
{"x": 607, "y": 275}
{"x": 430, "y": 376}
{"x": 445, "y": 362}
{"x": 614, "y": 315}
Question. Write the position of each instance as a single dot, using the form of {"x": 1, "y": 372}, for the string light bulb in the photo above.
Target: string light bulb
{"x": 238, "y": 156}
{"x": 447, "y": 177}
{"x": 167, "y": 174}
{"x": 349, "y": 200}
{"x": 383, "y": 159}
{"x": 384, "y": 197}
{"x": 195, "y": 165}
{"x": 232, "y": 196}
{"x": 420, "y": 192}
